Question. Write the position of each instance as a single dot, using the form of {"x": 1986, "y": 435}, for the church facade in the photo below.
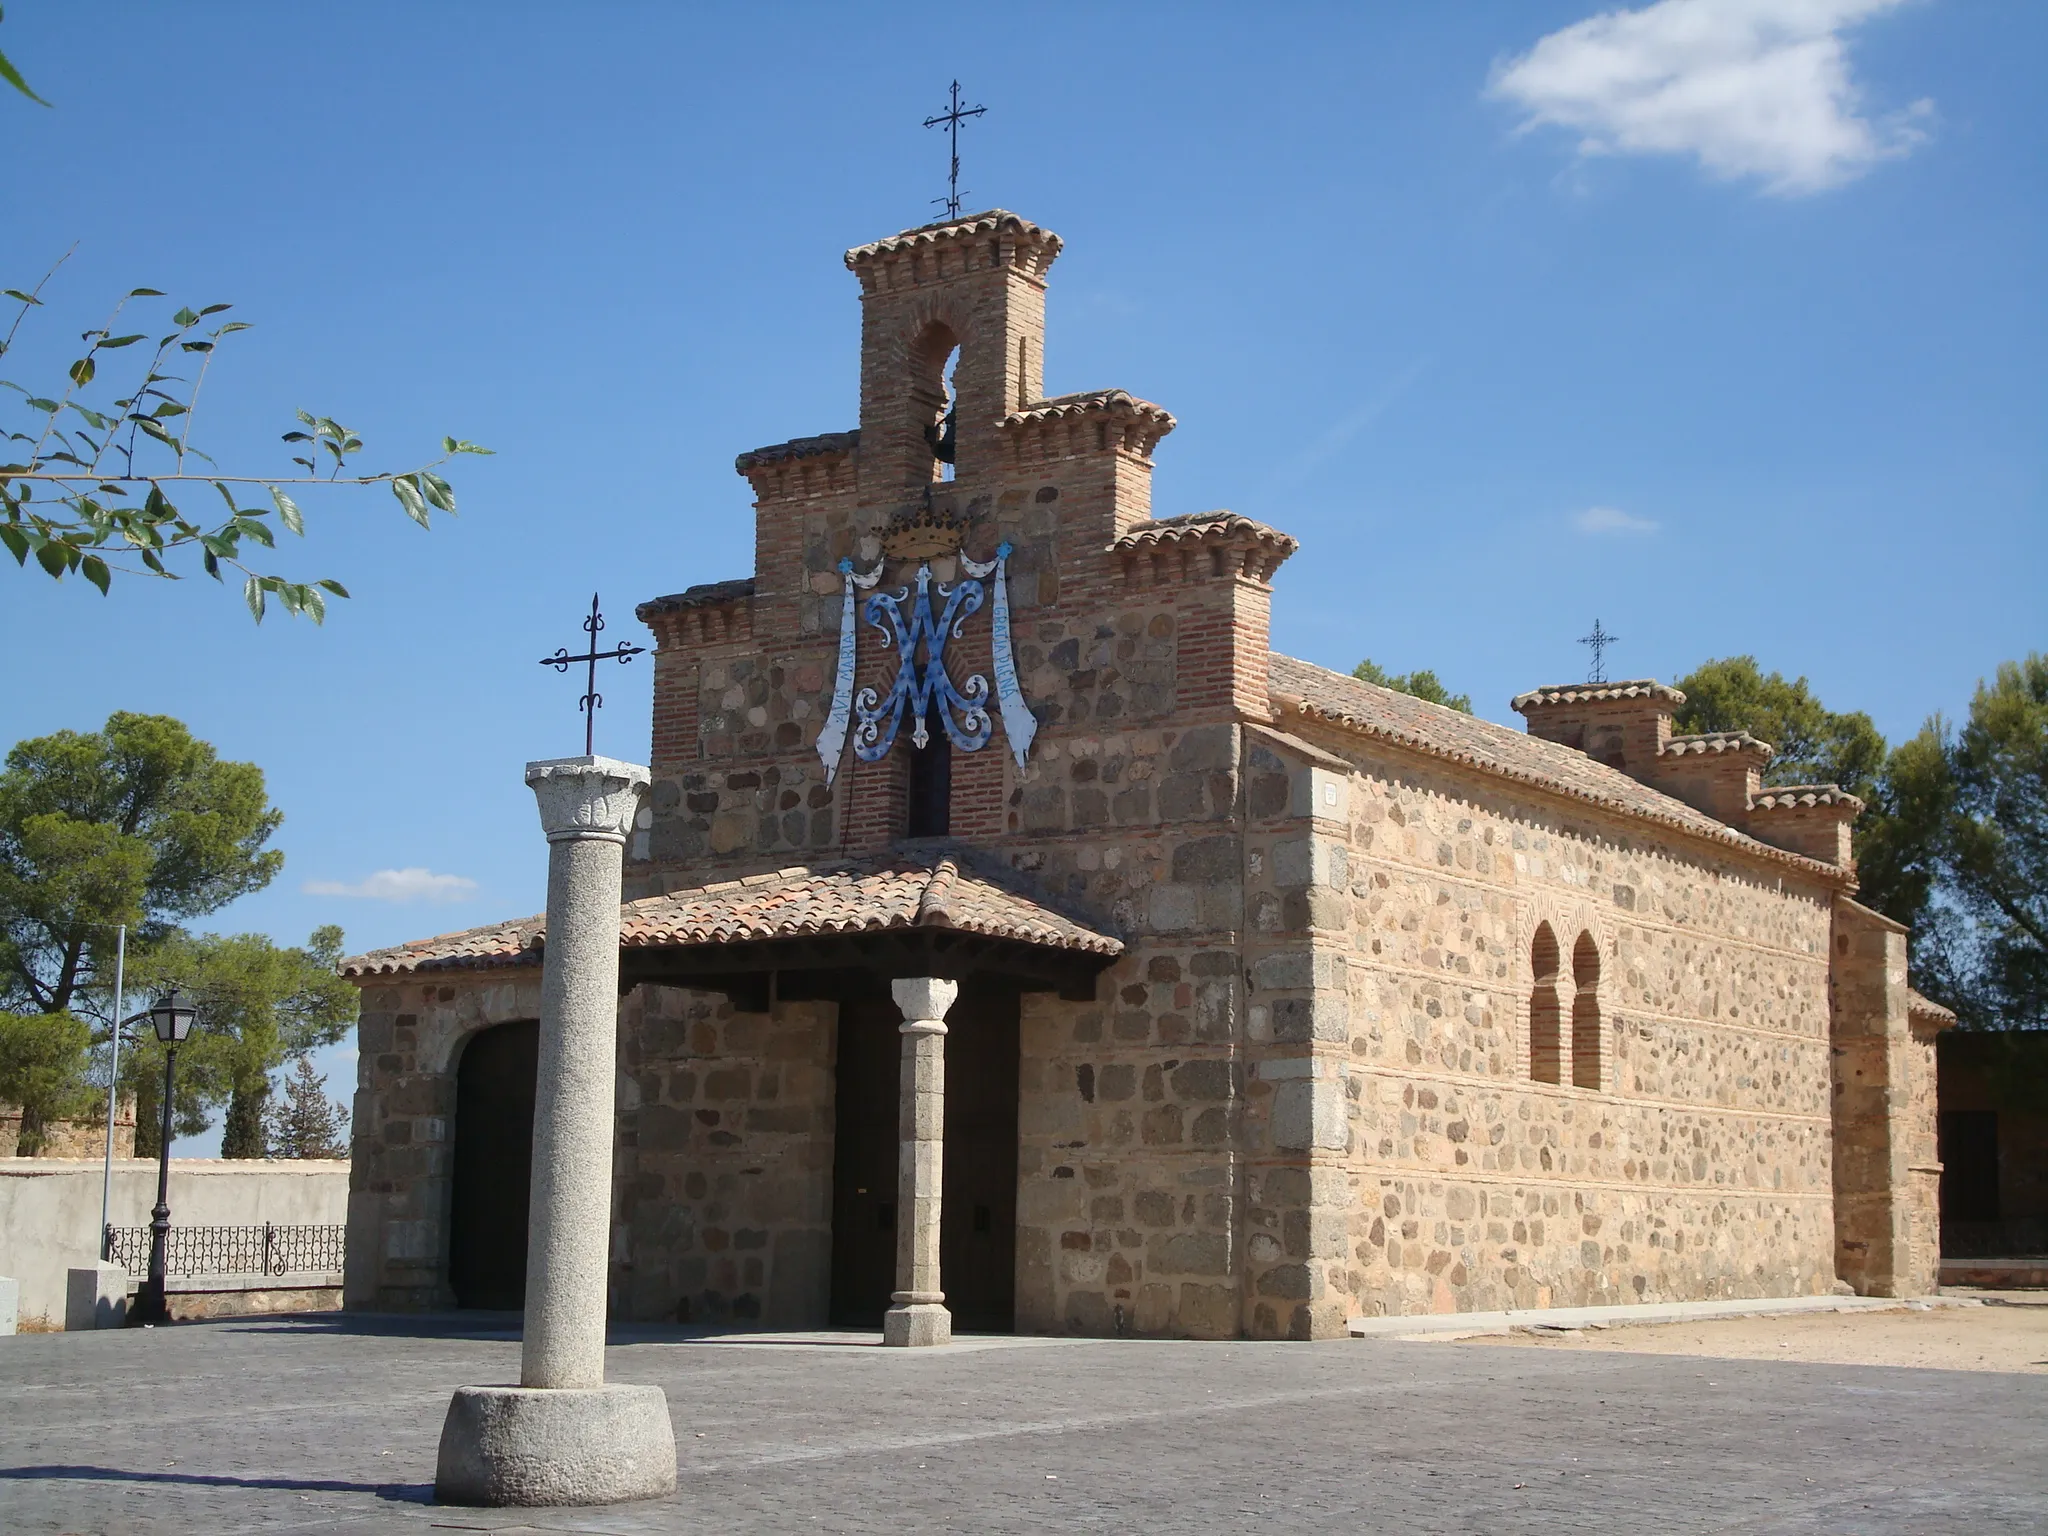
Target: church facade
{"x": 1281, "y": 998}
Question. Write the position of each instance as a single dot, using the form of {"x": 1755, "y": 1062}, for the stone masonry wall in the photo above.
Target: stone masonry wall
{"x": 409, "y": 1040}
{"x": 1702, "y": 1164}
{"x": 725, "y": 1161}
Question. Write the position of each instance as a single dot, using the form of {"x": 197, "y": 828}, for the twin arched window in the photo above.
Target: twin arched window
{"x": 1546, "y": 1010}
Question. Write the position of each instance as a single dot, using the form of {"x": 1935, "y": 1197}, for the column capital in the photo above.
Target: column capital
{"x": 924, "y": 999}
{"x": 587, "y": 798}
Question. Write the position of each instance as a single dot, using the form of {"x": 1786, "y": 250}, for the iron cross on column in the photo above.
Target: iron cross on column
{"x": 952, "y": 117}
{"x": 592, "y": 700}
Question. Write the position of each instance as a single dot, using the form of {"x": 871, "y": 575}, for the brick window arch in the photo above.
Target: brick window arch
{"x": 1544, "y": 1010}
{"x": 1586, "y": 1012}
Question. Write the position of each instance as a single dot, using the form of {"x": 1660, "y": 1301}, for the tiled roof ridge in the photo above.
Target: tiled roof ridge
{"x": 1651, "y": 805}
{"x": 1927, "y": 1008}
{"x": 798, "y": 448}
{"x": 1086, "y": 400}
{"x": 907, "y": 888}
{"x": 1196, "y": 525}
{"x": 1716, "y": 742}
{"x": 1785, "y": 796}
{"x": 1586, "y": 693}
{"x": 988, "y": 222}
{"x": 699, "y": 596}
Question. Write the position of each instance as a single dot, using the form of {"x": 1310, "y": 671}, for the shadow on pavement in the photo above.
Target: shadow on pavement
{"x": 400, "y": 1493}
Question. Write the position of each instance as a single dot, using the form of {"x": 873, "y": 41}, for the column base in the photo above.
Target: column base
{"x": 532, "y": 1447}
{"x": 916, "y": 1325}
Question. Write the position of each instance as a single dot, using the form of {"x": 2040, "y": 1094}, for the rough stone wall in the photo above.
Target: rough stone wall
{"x": 1701, "y": 1165}
{"x": 409, "y": 1040}
{"x": 1887, "y": 1170}
{"x": 85, "y": 1137}
{"x": 725, "y": 1161}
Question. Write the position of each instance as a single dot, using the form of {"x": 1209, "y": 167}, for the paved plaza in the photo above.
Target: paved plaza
{"x": 329, "y": 1424}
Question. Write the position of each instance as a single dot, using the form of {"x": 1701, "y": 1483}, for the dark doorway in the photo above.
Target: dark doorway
{"x": 978, "y": 1234}
{"x": 1969, "y": 1164}
{"x": 494, "y": 1090}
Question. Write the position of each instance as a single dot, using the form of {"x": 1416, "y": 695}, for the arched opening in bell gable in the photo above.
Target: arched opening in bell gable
{"x": 934, "y": 395}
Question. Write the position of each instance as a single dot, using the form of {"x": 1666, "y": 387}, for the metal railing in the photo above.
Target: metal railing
{"x": 270, "y": 1249}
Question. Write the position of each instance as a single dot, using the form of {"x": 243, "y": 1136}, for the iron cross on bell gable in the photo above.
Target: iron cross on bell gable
{"x": 592, "y": 700}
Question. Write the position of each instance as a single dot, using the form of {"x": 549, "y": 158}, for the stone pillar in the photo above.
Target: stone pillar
{"x": 919, "y": 1315}
{"x": 562, "y": 1436}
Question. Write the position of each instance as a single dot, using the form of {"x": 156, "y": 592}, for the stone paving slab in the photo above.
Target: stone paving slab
{"x": 329, "y": 1424}
{"x": 1472, "y": 1325}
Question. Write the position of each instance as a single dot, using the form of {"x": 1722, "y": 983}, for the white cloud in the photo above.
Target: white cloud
{"x": 1751, "y": 87}
{"x": 398, "y": 885}
{"x": 1611, "y": 520}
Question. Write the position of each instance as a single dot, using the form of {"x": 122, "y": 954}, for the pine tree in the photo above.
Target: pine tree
{"x": 307, "y": 1123}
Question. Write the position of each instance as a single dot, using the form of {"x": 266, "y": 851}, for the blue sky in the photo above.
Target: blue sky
{"x": 1717, "y": 320}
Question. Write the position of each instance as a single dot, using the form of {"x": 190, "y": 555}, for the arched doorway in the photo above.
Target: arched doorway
{"x": 494, "y": 1091}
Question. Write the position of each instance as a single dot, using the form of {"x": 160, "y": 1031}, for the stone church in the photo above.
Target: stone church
{"x": 1276, "y": 998}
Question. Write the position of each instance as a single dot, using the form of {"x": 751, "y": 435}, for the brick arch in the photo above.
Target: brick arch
{"x": 1545, "y": 1010}
{"x": 1587, "y": 1053}
{"x": 1568, "y": 922}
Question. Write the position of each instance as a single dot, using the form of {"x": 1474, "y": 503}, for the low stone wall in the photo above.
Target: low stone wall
{"x": 50, "y": 1209}
{"x": 73, "y": 1138}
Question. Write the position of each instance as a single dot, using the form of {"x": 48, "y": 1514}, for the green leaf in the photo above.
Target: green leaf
{"x": 196, "y": 346}
{"x": 214, "y": 309}
{"x": 13, "y": 77}
{"x": 37, "y": 403}
{"x": 54, "y": 557}
{"x": 82, "y": 372}
{"x": 313, "y": 604}
{"x": 17, "y": 545}
{"x": 298, "y": 437}
{"x": 333, "y": 586}
{"x": 26, "y": 298}
{"x": 149, "y": 559}
{"x": 459, "y": 445}
{"x": 409, "y": 498}
{"x": 252, "y": 594}
{"x": 157, "y": 504}
{"x": 95, "y": 571}
{"x": 121, "y": 341}
{"x": 220, "y": 545}
{"x": 308, "y": 420}
{"x": 437, "y": 491}
{"x": 288, "y": 512}
{"x": 232, "y": 325}
{"x": 260, "y": 532}
{"x": 145, "y": 293}
{"x": 186, "y": 315}
{"x": 149, "y": 425}
{"x": 212, "y": 564}
{"x": 168, "y": 409}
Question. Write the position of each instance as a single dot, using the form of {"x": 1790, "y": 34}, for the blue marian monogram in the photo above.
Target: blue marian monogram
{"x": 922, "y": 685}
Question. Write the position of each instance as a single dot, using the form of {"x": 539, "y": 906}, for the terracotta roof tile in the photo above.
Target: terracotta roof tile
{"x": 995, "y": 220}
{"x": 1196, "y": 526}
{"x": 1462, "y": 738}
{"x": 798, "y": 448}
{"x": 709, "y": 594}
{"x": 1590, "y": 693}
{"x": 910, "y": 889}
{"x": 1118, "y": 401}
{"x": 1918, "y": 1007}
{"x": 1784, "y": 797}
{"x": 1717, "y": 744}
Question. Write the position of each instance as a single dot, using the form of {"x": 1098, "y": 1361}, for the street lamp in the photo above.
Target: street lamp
{"x": 172, "y": 1021}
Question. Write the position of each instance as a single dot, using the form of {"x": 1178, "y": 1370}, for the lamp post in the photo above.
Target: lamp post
{"x": 172, "y": 1021}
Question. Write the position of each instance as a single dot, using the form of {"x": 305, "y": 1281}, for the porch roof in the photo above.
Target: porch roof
{"x": 918, "y": 910}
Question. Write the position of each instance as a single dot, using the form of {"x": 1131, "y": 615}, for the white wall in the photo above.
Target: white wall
{"x": 50, "y": 1209}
